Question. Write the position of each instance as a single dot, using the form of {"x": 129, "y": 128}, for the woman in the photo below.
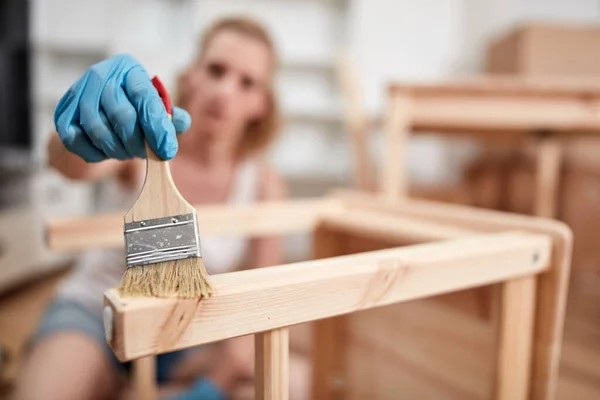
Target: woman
{"x": 228, "y": 116}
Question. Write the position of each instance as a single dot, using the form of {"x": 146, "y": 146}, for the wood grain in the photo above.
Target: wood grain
{"x": 421, "y": 349}
{"x": 356, "y": 122}
{"x": 552, "y": 286}
{"x": 159, "y": 196}
{"x": 404, "y": 229}
{"x": 393, "y": 175}
{"x": 252, "y": 301}
{"x": 492, "y": 107}
{"x": 105, "y": 230}
{"x": 144, "y": 378}
{"x": 516, "y": 335}
{"x": 524, "y": 86}
{"x": 480, "y": 116}
{"x": 549, "y": 163}
{"x": 329, "y": 353}
{"x": 272, "y": 364}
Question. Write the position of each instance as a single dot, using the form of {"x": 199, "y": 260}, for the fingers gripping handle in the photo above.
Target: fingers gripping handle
{"x": 159, "y": 188}
{"x": 159, "y": 196}
{"x": 166, "y": 99}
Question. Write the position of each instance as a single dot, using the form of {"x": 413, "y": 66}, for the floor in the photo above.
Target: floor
{"x": 429, "y": 351}
{"x": 580, "y": 367}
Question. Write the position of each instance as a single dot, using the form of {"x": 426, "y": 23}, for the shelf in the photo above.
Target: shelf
{"x": 74, "y": 49}
{"x": 330, "y": 120}
{"x": 323, "y": 64}
{"x": 320, "y": 114}
{"x": 311, "y": 185}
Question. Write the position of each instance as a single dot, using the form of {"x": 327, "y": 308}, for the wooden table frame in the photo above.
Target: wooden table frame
{"x": 542, "y": 111}
{"x": 453, "y": 248}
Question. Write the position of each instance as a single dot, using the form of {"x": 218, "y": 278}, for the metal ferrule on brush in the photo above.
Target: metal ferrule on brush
{"x": 161, "y": 239}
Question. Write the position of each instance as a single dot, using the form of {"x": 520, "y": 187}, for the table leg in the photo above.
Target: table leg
{"x": 394, "y": 175}
{"x": 549, "y": 159}
{"x": 272, "y": 364}
{"x": 516, "y": 336}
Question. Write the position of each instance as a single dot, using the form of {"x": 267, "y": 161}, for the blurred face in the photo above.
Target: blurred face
{"x": 228, "y": 87}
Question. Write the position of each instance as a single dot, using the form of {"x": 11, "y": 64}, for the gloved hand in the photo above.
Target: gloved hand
{"x": 112, "y": 108}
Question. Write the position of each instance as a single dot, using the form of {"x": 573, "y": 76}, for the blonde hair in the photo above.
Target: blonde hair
{"x": 259, "y": 134}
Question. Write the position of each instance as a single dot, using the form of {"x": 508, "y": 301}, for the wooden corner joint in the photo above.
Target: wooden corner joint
{"x": 254, "y": 301}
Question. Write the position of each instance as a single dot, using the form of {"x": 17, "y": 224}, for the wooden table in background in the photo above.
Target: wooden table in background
{"x": 514, "y": 111}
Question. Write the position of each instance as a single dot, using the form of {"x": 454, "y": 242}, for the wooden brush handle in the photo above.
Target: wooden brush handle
{"x": 159, "y": 196}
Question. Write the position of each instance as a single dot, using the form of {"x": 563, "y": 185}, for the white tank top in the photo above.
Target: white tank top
{"x": 101, "y": 269}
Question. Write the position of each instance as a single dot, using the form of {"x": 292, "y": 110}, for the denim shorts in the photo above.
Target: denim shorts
{"x": 67, "y": 315}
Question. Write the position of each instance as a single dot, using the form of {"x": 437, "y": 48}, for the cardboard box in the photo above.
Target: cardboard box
{"x": 547, "y": 49}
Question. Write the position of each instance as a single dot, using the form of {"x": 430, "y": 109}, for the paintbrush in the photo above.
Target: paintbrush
{"x": 162, "y": 244}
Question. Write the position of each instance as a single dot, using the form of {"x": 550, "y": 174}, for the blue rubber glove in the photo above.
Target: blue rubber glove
{"x": 112, "y": 108}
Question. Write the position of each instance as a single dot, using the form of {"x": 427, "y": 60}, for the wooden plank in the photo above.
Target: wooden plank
{"x": 329, "y": 359}
{"x": 452, "y": 215}
{"x": 486, "y": 85}
{"x": 272, "y": 364}
{"x": 552, "y": 286}
{"x": 262, "y": 299}
{"x": 400, "y": 228}
{"x": 76, "y": 233}
{"x": 329, "y": 334}
{"x": 144, "y": 378}
{"x": 549, "y": 158}
{"x": 357, "y": 123}
{"x": 516, "y": 335}
{"x": 393, "y": 179}
{"x": 478, "y": 115}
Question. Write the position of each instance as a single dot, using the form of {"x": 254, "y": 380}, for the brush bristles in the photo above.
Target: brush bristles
{"x": 186, "y": 278}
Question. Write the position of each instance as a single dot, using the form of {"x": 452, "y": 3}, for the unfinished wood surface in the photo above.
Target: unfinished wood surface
{"x": 549, "y": 157}
{"x": 516, "y": 335}
{"x": 420, "y": 349}
{"x": 393, "y": 176}
{"x": 144, "y": 378}
{"x": 257, "y": 300}
{"x": 356, "y": 122}
{"x": 271, "y": 364}
{"x": 75, "y": 233}
{"x": 482, "y": 116}
{"x": 403, "y": 229}
{"x": 159, "y": 196}
{"x": 329, "y": 340}
{"x": 496, "y": 105}
{"x": 552, "y": 289}
{"x": 510, "y": 85}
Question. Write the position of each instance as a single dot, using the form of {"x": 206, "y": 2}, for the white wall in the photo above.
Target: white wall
{"x": 407, "y": 41}
{"x": 436, "y": 39}
{"x": 388, "y": 39}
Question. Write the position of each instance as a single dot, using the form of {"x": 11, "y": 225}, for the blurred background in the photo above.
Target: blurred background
{"x": 333, "y": 52}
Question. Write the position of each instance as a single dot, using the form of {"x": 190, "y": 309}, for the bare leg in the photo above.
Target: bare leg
{"x": 66, "y": 366}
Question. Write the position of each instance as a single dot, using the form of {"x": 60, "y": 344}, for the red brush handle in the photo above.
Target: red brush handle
{"x": 163, "y": 93}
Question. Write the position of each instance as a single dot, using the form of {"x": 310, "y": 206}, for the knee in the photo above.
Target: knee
{"x": 65, "y": 366}
{"x": 34, "y": 383}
